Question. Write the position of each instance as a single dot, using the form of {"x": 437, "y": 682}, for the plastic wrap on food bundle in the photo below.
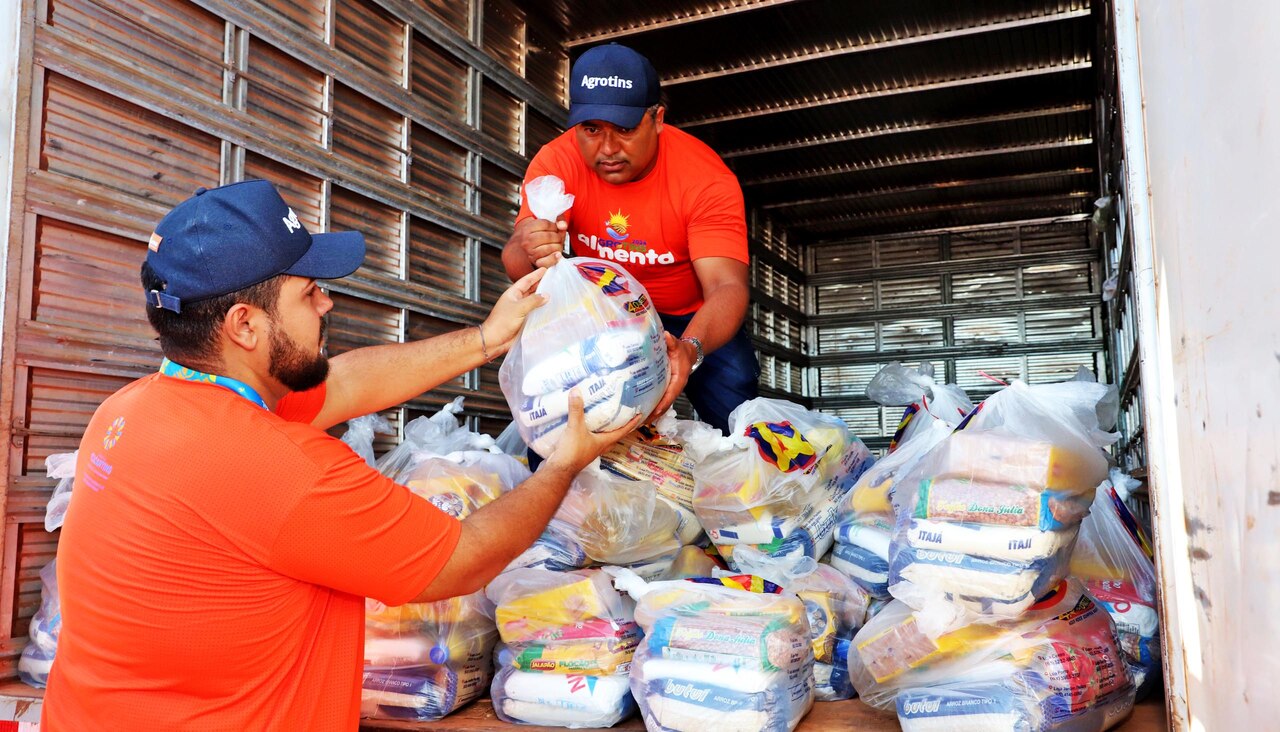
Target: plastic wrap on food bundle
{"x": 46, "y": 625}
{"x": 837, "y": 609}
{"x": 561, "y": 700}
{"x": 626, "y": 522}
{"x": 360, "y": 432}
{"x": 649, "y": 454}
{"x": 831, "y": 680}
{"x": 439, "y": 435}
{"x": 989, "y": 515}
{"x": 692, "y": 561}
{"x": 1055, "y": 667}
{"x": 862, "y": 553}
{"x": 784, "y": 469}
{"x": 424, "y": 660}
{"x": 564, "y": 622}
{"x": 559, "y": 548}
{"x": 928, "y": 403}
{"x": 1110, "y": 560}
{"x": 597, "y": 333}
{"x": 1009, "y": 704}
{"x": 688, "y": 696}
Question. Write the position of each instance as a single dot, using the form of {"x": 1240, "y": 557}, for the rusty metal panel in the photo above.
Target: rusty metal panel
{"x": 437, "y": 257}
{"x": 499, "y": 197}
{"x": 93, "y": 136}
{"x": 438, "y": 79}
{"x": 88, "y": 279}
{"x": 503, "y": 34}
{"x": 493, "y": 277}
{"x": 538, "y": 131}
{"x": 546, "y": 63}
{"x": 437, "y": 167}
{"x": 501, "y": 115}
{"x": 308, "y": 16}
{"x": 36, "y": 548}
{"x": 371, "y": 37}
{"x": 285, "y": 94}
{"x": 454, "y": 13}
{"x": 183, "y": 42}
{"x": 367, "y": 134}
{"x": 381, "y": 225}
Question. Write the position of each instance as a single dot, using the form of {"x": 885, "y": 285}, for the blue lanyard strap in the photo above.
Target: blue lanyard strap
{"x": 177, "y": 371}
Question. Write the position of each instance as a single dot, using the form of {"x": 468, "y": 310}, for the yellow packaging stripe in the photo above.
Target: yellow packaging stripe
{"x": 556, "y": 607}
{"x": 997, "y": 458}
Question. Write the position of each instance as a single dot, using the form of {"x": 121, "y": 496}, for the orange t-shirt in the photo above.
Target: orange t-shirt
{"x": 688, "y": 207}
{"x": 214, "y": 563}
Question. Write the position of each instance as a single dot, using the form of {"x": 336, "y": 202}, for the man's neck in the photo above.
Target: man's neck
{"x": 269, "y": 389}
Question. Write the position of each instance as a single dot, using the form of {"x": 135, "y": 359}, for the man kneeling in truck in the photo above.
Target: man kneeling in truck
{"x": 219, "y": 545}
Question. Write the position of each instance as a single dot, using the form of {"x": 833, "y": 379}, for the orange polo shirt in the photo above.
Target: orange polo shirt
{"x": 214, "y": 563}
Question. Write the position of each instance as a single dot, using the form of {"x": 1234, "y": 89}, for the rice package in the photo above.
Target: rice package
{"x": 597, "y": 333}
{"x": 730, "y": 653}
{"x": 990, "y": 515}
{"x": 926, "y": 400}
{"x": 422, "y": 661}
{"x": 649, "y": 454}
{"x": 570, "y": 640}
{"x": 776, "y": 482}
{"x": 46, "y": 625}
{"x": 1118, "y": 572}
{"x": 1056, "y": 668}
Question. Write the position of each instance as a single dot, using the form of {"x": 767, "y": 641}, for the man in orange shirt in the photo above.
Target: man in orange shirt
{"x": 661, "y": 203}
{"x": 219, "y": 544}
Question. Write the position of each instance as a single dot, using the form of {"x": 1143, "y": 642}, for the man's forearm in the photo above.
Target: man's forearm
{"x": 497, "y": 533}
{"x": 373, "y": 378}
{"x": 514, "y": 259}
{"x": 720, "y": 317}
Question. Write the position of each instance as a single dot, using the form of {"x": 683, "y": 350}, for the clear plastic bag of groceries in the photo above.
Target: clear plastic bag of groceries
{"x": 1111, "y": 559}
{"x": 425, "y": 660}
{"x": 627, "y": 522}
{"x": 561, "y": 700}
{"x": 925, "y": 400}
{"x": 866, "y": 518}
{"x": 559, "y": 548}
{"x": 775, "y": 482}
{"x": 996, "y": 506}
{"x": 564, "y": 622}
{"x": 656, "y": 454}
{"x": 1055, "y": 668}
{"x": 46, "y": 624}
{"x": 597, "y": 333}
{"x": 730, "y": 653}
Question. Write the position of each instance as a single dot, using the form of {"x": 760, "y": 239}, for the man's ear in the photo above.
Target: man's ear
{"x": 245, "y": 326}
{"x": 658, "y": 117}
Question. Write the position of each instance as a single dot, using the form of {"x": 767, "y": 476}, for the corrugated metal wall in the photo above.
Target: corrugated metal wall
{"x": 408, "y": 121}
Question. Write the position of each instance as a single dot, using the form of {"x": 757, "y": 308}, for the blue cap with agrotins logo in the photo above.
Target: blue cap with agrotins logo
{"x": 225, "y": 239}
{"x": 614, "y": 84}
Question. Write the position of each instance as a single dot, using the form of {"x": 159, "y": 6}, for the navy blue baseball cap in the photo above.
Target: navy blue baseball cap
{"x": 612, "y": 83}
{"x": 225, "y": 239}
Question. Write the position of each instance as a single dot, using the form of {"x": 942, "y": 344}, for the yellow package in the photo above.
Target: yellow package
{"x": 823, "y": 623}
{"x": 457, "y": 494}
{"x": 902, "y": 647}
{"x": 872, "y": 499}
{"x": 555, "y": 607}
{"x": 1008, "y": 460}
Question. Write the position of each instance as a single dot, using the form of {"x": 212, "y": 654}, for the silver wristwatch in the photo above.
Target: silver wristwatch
{"x": 697, "y": 344}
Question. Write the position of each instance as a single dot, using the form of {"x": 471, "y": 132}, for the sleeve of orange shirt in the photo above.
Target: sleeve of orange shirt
{"x": 302, "y": 406}
{"x": 718, "y": 226}
{"x": 357, "y": 531}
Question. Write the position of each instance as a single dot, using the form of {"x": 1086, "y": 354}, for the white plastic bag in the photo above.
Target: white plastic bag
{"x": 46, "y": 624}
{"x": 360, "y": 432}
{"x": 627, "y": 523}
{"x": 1110, "y": 560}
{"x": 925, "y": 400}
{"x": 546, "y": 197}
{"x": 597, "y": 333}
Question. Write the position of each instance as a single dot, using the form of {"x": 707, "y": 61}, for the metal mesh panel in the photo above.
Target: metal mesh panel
{"x": 504, "y": 33}
{"x": 381, "y": 225}
{"x": 371, "y": 37}
{"x": 499, "y": 196}
{"x": 365, "y": 133}
{"x": 500, "y": 115}
{"x": 437, "y": 167}
{"x": 437, "y": 257}
{"x": 308, "y": 16}
{"x": 79, "y": 278}
{"x": 910, "y": 291}
{"x": 284, "y": 94}
{"x": 356, "y": 323}
{"x": 438, "y": 79}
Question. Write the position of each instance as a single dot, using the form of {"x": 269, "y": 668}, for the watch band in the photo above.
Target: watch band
{"x": 697, "y": 345}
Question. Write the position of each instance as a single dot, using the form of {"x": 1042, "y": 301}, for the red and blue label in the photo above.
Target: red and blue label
{"x": 783, "y": 446}
{"x": 611, "y": 281}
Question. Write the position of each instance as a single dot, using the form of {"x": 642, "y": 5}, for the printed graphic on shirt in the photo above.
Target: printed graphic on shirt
{"x": 620, "y": 244}
{"x": 114, "y": 432}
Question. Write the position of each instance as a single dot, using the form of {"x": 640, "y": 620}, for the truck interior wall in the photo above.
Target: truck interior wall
{"x": 921, "y": 184}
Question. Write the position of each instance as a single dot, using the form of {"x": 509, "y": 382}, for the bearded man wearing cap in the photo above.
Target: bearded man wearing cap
{"x": 662, "y": 204}
{"x": 219, "y": 544}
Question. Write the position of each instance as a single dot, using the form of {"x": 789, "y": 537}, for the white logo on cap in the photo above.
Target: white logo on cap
{"x": 591, "y": 82}
{"x": 291, "y": 221}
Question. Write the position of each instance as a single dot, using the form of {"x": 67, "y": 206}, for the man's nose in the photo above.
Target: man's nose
{"x": 609, "y": 143}
{"x": 326, "y": 303}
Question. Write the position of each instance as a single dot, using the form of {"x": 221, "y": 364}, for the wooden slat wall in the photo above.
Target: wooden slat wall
{"x": 409, "y": 121}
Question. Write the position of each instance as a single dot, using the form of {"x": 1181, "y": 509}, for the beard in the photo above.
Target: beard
{"x": 292, "y": 365}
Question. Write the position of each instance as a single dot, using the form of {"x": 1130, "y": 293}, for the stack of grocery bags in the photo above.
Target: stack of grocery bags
{"x": 424, "y": 660}
{"x": 731, "y": 653}
{"x": 569, "y": 641}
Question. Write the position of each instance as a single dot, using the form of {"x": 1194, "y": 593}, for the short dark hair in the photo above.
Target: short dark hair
{"x": 190, "y": 337}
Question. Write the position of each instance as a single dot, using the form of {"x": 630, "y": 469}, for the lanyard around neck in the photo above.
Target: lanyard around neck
{"x": 177, "y": 371}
